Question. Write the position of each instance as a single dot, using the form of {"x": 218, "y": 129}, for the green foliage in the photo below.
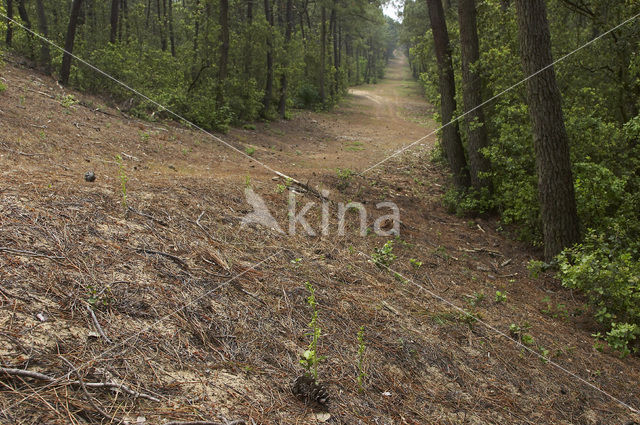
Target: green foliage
{"x": 3, "y": 87}
{"x": 416, "y": 264}
{"x": 501, "y": 296}
{"x": 175, "y": 59}
{"x": 250, "y": 150}
{"x": 384, "y": 256}
{"x": 344, "y": 176}
{"x": 310, "y": 359}
{"x": 468, "y": 203}
{"x": 606, "y": 268}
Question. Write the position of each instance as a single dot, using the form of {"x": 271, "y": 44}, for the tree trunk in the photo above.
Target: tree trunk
{"x": 161, "y": 23}
{"x": 172, "y": 34}
{"x": 282, "y": 107}
{"x": 323, "y": 50}
{"x": 22, "y": 11}
{"x": 115, "y": 12}
{"x": 551, "y": 143}
{"x": 45, "y": 54}
{"x": 248, "y": 57}
{"x": 65, "y": 69}
{"x": 268, "y": 93}
{"x": 9, "y": 37}
{"x": 224, "y": 50}
{"x": 472, "y": 93}
{"x": 450, "y": 133}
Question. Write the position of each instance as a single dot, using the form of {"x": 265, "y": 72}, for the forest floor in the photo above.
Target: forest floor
{"x": 208, "y": 318}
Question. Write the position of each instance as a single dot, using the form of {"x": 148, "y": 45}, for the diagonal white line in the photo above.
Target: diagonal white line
{"x": 409, "y": 146}
{"x": 499, "y": 332}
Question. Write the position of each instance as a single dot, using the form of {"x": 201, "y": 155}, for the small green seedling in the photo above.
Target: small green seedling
{"x": 310, "y": 358}
{"x": 415, "y": 263}
{"x": 383, "y": 257}
{"x": 250, "y": 150}
{"x": 501, "y": 296}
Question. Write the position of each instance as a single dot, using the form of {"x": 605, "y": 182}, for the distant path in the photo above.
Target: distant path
{"x": 371, "y": 122}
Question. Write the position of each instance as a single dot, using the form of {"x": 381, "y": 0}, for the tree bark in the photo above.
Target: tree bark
{"x": 22, "y": 11}
{"x": 282, "y": 107}
{"x": 472, "y": 94}
{"x": 172, "y": 34}
{"x": 551, "y": 143}
{"x": 65, "y": 69}
{"x": 323, "y": 51}
{"x": 224, "y": 50}
{"x": 450, "y": 133}
{"x": 268, "y": 93}
{"x": 45, "y": 54}
{"x": 9, "y": 36}
{"x": 115, "y": 12}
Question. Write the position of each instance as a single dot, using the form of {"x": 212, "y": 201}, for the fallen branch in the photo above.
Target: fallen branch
{"x": 204, "y": 230}
{"x": 109, "y": 385}
{"x": 173, "y": 258}
{"x": 89, "y": 398}
{"x": 29, "y": 253}
{"x": 97, "y": 325}
{"x": 150, "y": 217}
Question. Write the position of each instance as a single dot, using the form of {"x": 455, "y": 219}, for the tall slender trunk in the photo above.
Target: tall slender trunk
{"x": 248, "y": 57}
{"x": 287, "y": 40}
{"x": 472, "y": 94}
{"x": 268, "y": 93}
{"x": 161, "y": 23}
{"x": 196, "y": 29}
{"x": 115, "y": 12}
{"x": 323, "y": 51}
{"x": 24, "y": 16}
{"x": 22, "y": 11}
{"x": 550, "y": 140}
{"x": 172, "y": 34}
{"x": 224, "y": 50}
{"x": 45, "y": 54}
{"x": 9, "y": 36}
{"x": 450, "y": 133}
{"x": 69, "y": 41}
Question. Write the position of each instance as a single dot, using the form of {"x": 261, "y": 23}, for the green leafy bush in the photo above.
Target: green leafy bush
{"x": 606, "y": 268}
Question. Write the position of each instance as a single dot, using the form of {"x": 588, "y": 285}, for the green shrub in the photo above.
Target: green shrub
{"x": 606, "y": 268}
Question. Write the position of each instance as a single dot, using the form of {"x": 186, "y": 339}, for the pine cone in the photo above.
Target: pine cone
{"x": 307, "y": 389}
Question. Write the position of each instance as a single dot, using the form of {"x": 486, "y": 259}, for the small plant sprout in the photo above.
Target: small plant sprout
{"x": 415, "y": 263}
{"x": 250, "y": 150}
{"x": 310, "y": 358}
{"x": 501, "y": 296}
{"x": 360, "y": 361}
{"x": 383, "y": 257}
{"x": 123, "y": 180}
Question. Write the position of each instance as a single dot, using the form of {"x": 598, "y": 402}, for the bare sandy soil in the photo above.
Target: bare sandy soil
{"x": 207, "y": 319}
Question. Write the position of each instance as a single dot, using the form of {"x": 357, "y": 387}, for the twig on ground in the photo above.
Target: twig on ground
{"x": 109, "y": 385}
{"x": 29, "y": 253}
{"x": 175, "y": 259}
{"x": 97, "y": 325}
{"x": 150, "y": 217}
{"x": 204, "y": 230}
{"x": 89, "y": 398}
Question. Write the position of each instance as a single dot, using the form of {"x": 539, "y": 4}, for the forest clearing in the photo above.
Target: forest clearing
{"x": 135, "y": 288}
